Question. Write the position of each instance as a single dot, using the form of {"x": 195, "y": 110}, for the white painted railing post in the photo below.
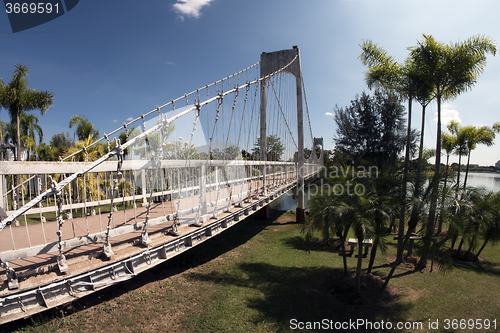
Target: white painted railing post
{"x": 3, "y": 198}
{"x": 143, "y": 188}
{"x": 203, "y": 189}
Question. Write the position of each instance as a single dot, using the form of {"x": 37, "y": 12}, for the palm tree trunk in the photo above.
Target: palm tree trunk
{"x": 451, "y": 229}
{"x": 440, "y": 224}
{"x": 398, "y": 260}
{"x": 434, "y": 194}
{"x": 467, "y": 169}
{"x": 18, "y": 113}
{"x": 373, "y": 253}
{"x": 418, "y": 177}
{"x": 420, "y": 150}
{"x": 481, "y": 249}
{"x": 471, "y": 245}
{"x": 343, "y": 249}
{"x": 360, "y": 259}
{"x": 459, "y": 167}
{"x": 403, "y": 194}
{"x": 460, "y": 245}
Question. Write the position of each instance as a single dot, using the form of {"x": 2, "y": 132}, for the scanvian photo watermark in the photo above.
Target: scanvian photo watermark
{"x": 348, "y": 177}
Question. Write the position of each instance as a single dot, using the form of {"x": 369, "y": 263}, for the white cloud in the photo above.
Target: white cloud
{"x": 328, "y": 114}
{"x": 190, "y": 8}
{"x": 169, "y": 63}
{"x": 448, "y": 115}
{"x": 115, "y": 120}
{"x": 129, "y": 119}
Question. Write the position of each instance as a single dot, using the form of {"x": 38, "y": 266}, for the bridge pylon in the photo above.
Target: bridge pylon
{"x": 271, "y": 62}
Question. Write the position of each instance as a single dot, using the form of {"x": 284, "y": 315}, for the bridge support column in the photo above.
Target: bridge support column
{"x": 263, "y": 132}
{"x": 264, "y": 213}
{"x": 301, "y": 210}
{"x": 270, "y": 63}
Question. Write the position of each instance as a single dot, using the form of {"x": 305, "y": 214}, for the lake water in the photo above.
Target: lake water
{"x": 489, "y": 181}
{"x": 287, "y": 201}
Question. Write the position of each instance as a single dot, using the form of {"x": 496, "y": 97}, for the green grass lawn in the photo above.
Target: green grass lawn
{"x": 262, "y": 276}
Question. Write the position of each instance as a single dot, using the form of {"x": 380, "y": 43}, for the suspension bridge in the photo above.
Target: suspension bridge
{"x": 181, "y": 173}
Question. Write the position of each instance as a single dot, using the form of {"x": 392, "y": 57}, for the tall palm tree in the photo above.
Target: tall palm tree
{"x": 451, "y": 70}
{"x": 18, "y": 98}
{"x": 384, "y": 71}
{"x": 84, "y": 128}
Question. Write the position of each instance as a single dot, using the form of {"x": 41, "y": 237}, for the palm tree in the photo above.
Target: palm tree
{"x": 29, "y": 127}
{"x": 467, "y": 215}
{"x": 450, "y": 70}
{"x": 404, "y": 79}
{"x": 84, "y": 128}
{"x": 18, "y": 98}
{"x": 326, "y": 217}
{"x": 92, "y": 152}
{"x": 474, "y": 136}
{"x": 490, "y": 228}
{"x": 362, "y": 210}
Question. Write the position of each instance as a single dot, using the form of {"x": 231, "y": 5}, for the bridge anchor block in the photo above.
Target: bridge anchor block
{"x": 11, "y": 276}
{"x": 107, "y": 251}
{"x": 61, "y": 263}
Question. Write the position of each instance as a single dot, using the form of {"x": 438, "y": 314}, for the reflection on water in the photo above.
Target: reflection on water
{"x": 489, "y": 181}
{"x": 288, "y": 201}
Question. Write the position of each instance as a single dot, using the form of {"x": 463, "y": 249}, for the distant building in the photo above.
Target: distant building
{"x": 497, "y": 165}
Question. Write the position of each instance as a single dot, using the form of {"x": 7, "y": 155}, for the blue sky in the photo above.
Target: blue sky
{"x": 111, "y": 60}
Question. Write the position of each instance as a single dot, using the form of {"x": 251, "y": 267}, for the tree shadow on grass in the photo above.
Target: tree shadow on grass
{"x": 212, "y": 248}
{"x": 310, "y": 294}
{"x": 481, "y": 267}
{"x": 465, "y": 261}
{"x": 302, "y": 244}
